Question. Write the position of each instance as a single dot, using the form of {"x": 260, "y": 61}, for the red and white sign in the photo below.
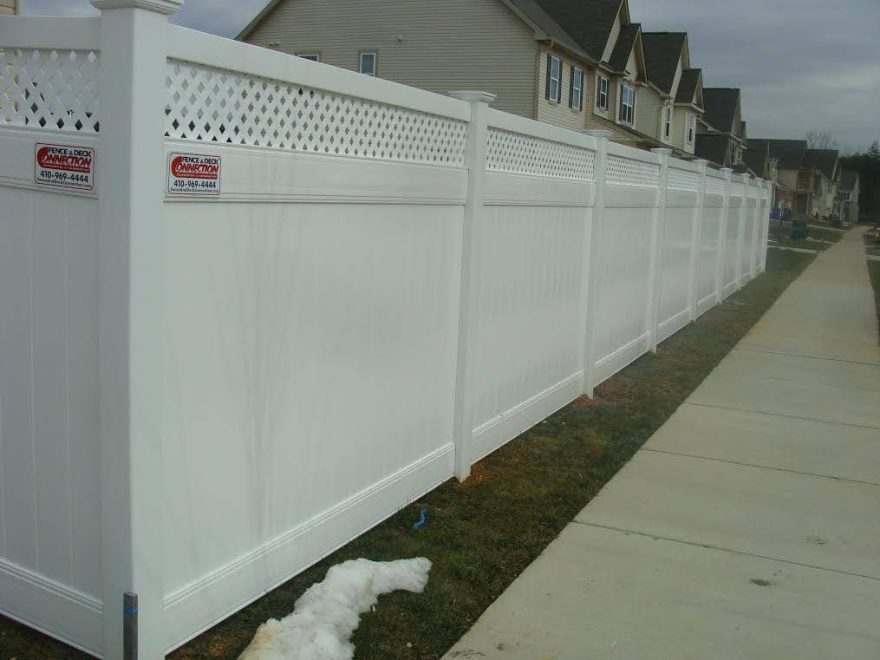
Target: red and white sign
{"x": 193, "y": 174}
{"x": 64, "y": 166}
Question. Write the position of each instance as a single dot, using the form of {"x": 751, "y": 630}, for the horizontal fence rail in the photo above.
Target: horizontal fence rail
{"x": 271, "y": 302}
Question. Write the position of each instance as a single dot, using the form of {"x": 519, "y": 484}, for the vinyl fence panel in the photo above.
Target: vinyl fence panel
{"x": 252, "y": 305}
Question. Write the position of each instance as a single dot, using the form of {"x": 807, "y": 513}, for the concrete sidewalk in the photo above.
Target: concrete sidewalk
{"x": 749, "y": 525}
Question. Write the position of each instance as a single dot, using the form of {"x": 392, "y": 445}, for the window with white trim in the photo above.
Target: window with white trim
{"x": 553, "y": 91}
{"x": 576, "y": 89}
{"x": 602, "y": 93}
{"x": 691, "y": 127}
{"x": 667, "y": 122}
{"x": 627, "y": 113}
{"x": 367, "y": 63}
{"x": 314, "y": 57}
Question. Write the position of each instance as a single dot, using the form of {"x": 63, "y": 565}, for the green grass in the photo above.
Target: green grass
{"x": 874, "y": 272}
{"x": 482, "y": 534}
{"x": 781, "y": 233}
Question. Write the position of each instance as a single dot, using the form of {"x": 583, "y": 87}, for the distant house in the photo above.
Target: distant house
{"x": 8, "y": 7}
{"x": 674, "y": 115}
{"x": 805, "y": 179}
{"x": 823, "y": 166}
{"x": 721, "y": 133}
{"x": 579, "y": 64}
{"x": 848, "y": 190}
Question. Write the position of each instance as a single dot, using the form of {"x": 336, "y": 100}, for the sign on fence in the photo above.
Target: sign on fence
{"x": 193, "y": 174}
{"x": 64, "y": 166}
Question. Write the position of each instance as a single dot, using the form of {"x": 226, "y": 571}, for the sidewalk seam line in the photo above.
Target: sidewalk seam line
{"x": 742, "y": 553}
{"x": 872, "y": 427}
{"x": 762, "y": 467}
{"x": 799, "y": 355}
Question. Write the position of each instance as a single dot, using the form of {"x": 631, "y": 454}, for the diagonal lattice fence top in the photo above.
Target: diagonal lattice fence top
{"x": 216, "y": 105}
{"x": 47, "y": 88}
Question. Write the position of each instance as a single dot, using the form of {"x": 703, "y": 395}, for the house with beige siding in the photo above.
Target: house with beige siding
{"x": 678, "y": 89}
{"x": 8, "y": 7}
{"x": 721, "y": 132}
{"x": 579, "y": 64}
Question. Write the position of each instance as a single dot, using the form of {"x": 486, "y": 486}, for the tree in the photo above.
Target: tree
{"x": 821, "y": 141}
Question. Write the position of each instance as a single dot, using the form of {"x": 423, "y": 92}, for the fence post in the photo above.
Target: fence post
{"x": 471, "y": 252}
{"x": 697, "y": 239}
{"x": 722, "y": 237}
{"x": 741, "y": 231}
{"x": 595, "y": 241}
{"x": 756, "y": 228}
{"x": 132, "y": 162}
{"x": 765, "y": 225}
{"x": 655, "y": 268}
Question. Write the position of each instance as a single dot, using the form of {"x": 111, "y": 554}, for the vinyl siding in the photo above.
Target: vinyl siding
{"x": 438, "y": 46}
{"x": 7, "y": 7}
{"x": 648, "y": 112}
{"x": 679, "y": 130}
{"x": 559, "y": 114}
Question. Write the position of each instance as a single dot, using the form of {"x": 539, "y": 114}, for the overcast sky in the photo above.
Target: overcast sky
{"x": 803, "y": 65}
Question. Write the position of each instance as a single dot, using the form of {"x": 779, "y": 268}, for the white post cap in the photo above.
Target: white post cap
{"x": 166, "y": 7}
{"x": 662, "y": 151}
{"x": 701, "y": 161}
{"x": 598, "y": 133}
{"x": 472, "y": 96}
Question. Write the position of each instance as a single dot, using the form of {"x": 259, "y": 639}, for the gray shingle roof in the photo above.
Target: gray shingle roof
{"x": 687, "y": 87}
{"x": 712, "y": 147}
{"x": 823, "y": 160}
{"x": 588, "y": 22}
{"x": 720, "y": 104}
{"x": 755, "y": 155}
{"x": 662, "y": 54}
{"x": 788, "y": 153}
{"x": 626, "y": 41}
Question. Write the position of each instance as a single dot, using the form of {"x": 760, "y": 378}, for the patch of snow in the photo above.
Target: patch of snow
{"x": 327, "y": 614}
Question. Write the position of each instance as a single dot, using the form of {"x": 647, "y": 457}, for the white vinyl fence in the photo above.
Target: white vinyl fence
{"x": 226, "y": 352}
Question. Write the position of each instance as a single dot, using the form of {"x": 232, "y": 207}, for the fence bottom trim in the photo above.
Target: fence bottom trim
{"x": 194, "y": 609}
{"x": 500, "y": 430}
{"x": 52, "y": 608}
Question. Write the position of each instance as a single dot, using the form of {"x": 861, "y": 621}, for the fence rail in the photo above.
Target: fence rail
{"x": 276, "y": 301}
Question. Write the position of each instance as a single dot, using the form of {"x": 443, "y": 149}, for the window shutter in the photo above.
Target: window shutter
{"x": 571, "y": 89}
{"x": 561, "y": 78}
{"x": 549, "y": 72}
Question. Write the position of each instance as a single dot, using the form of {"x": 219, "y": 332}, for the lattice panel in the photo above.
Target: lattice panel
{"x": 50, "y": 89}
{"x": 215, "y": 105}
{"x": 737, "y": 189}
{"x": 515, "y": 153}
{"x": 683, "y": 180}
{"x": 714, "y": 185}
{"x": 632, "y": 172}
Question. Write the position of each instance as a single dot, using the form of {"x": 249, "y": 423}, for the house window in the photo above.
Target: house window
{"x": 368, "y": 64}
{"x": 691, "y": 127}
{"x": 576, "y": 89}
{"x": 602, "y": 93}
{"x": 627, "y": 114}
{"x": 314, "y": 57}
{"x": 667, "y": 122}
{"x": 553, "y": 91}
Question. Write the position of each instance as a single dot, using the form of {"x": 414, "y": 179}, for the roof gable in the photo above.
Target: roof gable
{"x": 589, "y": 22}
{"x": 630, "y": 40}
{"x": 822, "y": 160}
{"x": 789, "y": 154}
{"x": 690, "y": 88}
{"x": 722, "y": 108}
{"x": 663, "y": 53}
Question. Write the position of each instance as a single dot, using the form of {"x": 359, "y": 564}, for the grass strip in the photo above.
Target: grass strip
{"x": 482, "y": 534}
